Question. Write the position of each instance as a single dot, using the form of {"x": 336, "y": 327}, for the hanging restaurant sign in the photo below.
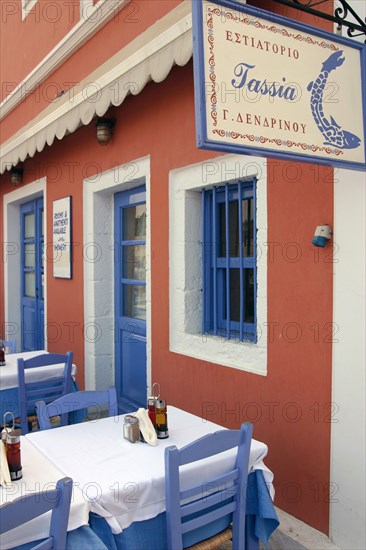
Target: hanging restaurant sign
{"x": 267, "y": 85}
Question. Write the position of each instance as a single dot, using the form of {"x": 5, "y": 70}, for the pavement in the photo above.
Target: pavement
{"x": 293, "y": 534}
{"x": 278, "y": 541}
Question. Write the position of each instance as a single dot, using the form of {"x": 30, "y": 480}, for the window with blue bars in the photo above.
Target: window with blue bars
{"x": 229, "y": 261}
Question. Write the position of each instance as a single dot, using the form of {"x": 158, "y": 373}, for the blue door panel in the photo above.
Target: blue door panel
{"x": 29, "y": 332}
{"x": 32, "y": 273}
{"x": 133, "y": 379}
{"x": 41, "y": 327}
{"x": 130, "y": 301}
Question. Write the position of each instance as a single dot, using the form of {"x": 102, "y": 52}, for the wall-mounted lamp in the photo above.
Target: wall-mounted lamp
{"x": 104, "y": 130}
{"x": 16, "y": 176}
{"x": 322, "y": 235}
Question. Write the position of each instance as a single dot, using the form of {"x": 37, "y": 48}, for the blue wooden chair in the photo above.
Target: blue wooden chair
{"x": 26, "y": 508}
{"x": 10, "y": 346}
{"x": 77, "y": 401}
{"x": 48, "y": 390}
{"x": 199, "y": 518}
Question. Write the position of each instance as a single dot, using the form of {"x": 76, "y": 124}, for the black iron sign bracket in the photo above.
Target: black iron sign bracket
{"x": 344, "y": 15}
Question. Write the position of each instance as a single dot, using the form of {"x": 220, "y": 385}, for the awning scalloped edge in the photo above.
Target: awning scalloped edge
{"x": 153, "y": 61}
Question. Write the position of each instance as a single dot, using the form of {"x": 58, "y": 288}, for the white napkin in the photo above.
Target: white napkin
{"x": 146, "y": 426}
{"x": 5, "y": 479}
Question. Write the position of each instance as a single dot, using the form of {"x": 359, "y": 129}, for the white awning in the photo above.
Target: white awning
{"x": 150, "y": 56}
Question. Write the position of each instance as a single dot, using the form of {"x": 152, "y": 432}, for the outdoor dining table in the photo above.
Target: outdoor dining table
{"x": 9, "y": 379}
{"x": 125, "y": 483}
{"x": 39, "y": 474}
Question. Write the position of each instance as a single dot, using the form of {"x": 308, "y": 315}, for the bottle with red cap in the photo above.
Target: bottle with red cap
{"x": 2, "y": 353}
{"x": 151, "y": 402}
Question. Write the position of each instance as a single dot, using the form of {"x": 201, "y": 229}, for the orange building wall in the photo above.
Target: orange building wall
{"x": 25, "y": 43}
{"x": 290, "y": 406}
{"x": 136, "y": 17}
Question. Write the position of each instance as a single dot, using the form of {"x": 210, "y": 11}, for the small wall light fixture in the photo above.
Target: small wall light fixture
{"x": 16, "y": 176}
{"x": 322, "y": 235}
{"x": 104, "y": 130}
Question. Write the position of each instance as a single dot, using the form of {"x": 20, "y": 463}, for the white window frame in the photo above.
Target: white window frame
{"x": 185, "y": 263}
{"x": 98, "y": 251}
{"x": 27, "y": 5}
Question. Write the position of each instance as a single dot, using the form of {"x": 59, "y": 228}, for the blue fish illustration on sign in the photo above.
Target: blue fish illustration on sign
{"x": 332, "y": 132}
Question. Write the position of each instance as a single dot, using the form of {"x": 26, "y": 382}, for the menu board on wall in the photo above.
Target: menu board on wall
{"x": 270, "y": 86}
{"x": 61, "y": 222}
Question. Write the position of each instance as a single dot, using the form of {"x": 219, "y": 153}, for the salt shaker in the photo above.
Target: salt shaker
{"x": 131, "y": 429}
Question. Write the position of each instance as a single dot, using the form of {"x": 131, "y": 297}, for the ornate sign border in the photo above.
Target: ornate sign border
{"x": 207, "y": 102}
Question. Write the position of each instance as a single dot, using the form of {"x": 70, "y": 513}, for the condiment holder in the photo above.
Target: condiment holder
{"x": 2, "y": 354}
{"x": 148, "y": 425}
{"x": 11, "y": 438}
{"x": 157, "y": 409}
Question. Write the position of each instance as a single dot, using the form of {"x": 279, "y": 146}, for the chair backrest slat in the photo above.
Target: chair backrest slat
{"x": 53, "y": 384}
{"x": 75, "y": 402}
{"x": 34, "y": 391}
{"x": 45, "y": 359}
{"x": 212, "y": 500}
{"x": 30, "y": 392}
{"x": 223, "y": 496}
{"x": 209, "y": 517}
{"x": 225, "y": 479}
{"x": 209, "y": 445}
{"x": 48, "y": 544}
{"x": 26, "y": 508}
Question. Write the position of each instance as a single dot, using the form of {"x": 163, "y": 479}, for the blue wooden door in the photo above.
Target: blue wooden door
{"x": 32, "y": 275}
{"x": 130, "y": 298}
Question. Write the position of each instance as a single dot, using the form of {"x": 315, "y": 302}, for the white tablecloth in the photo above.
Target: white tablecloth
{"x": 125, "y": 482}
{"x": 39, "y": 474}
{"x": 9, "y": 372}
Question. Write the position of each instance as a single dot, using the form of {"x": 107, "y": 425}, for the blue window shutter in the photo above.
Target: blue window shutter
{"x": 229, "y": 277}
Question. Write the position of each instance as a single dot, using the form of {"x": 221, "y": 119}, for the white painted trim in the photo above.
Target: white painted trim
{"x": 99, "y": 15}
{"x": 98, "y": 230}
{"x": 347, "y": 449}
{"x": 12, "y": 261}
{"x": 86, "y": 7}
{"x": 27, "y": 5}
{"x": 185, "y": 263}
{"x": 348, "y": 443}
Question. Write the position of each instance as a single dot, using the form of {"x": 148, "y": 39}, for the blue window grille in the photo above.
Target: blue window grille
{"x": 229, "y": 261}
